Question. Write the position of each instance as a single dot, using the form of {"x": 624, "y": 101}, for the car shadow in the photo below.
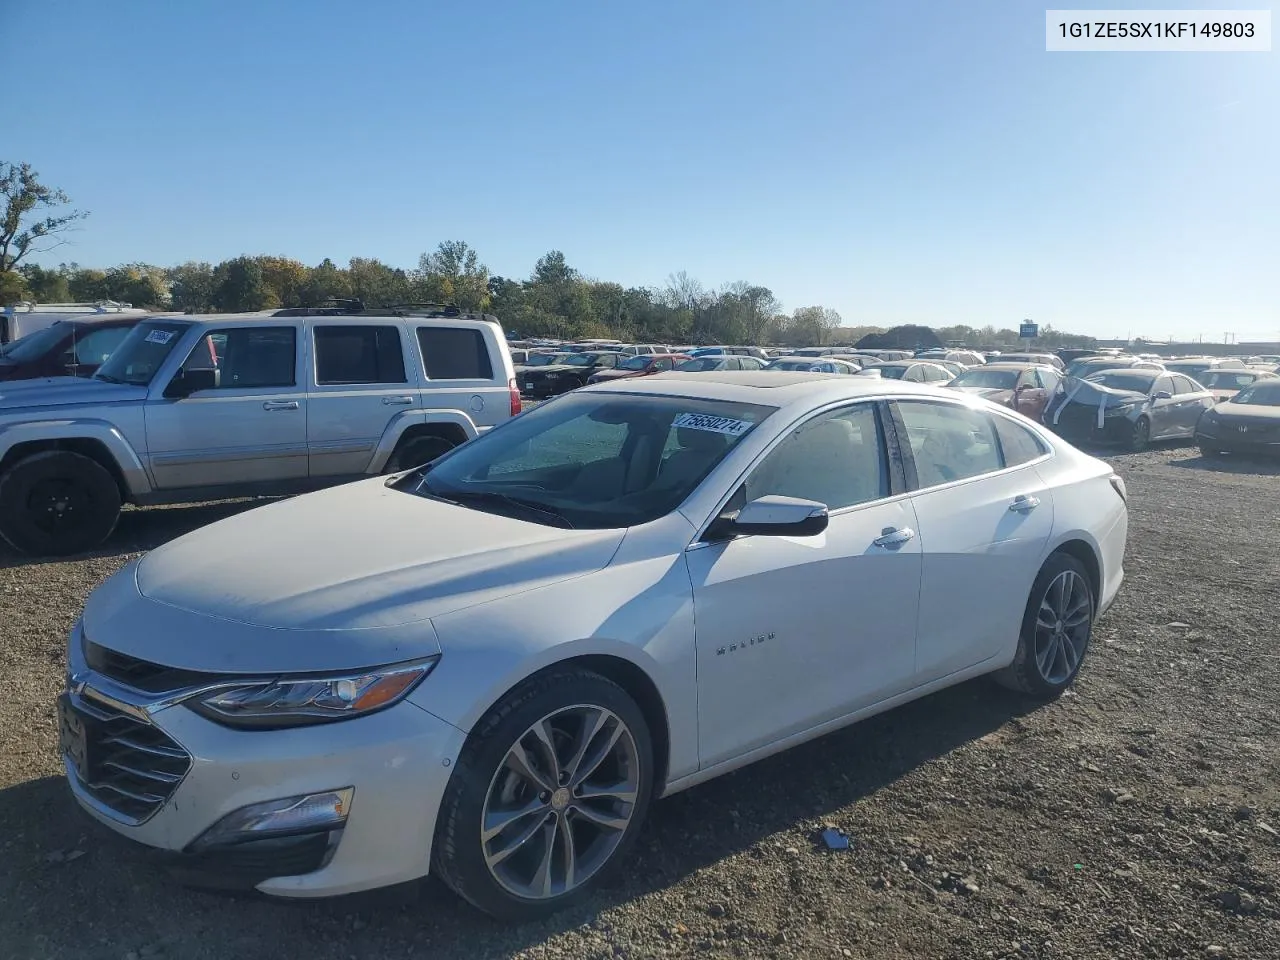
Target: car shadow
{"x": 1258, "y": 466}
{"x": 144, "y": 528}
{"x": 58, "y": 864}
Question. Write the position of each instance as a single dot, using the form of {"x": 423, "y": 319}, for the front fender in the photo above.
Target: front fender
{"x": 104, "y": 432}
{"x": 412, "y": 418}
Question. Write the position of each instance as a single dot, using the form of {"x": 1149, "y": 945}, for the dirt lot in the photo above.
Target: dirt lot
{"x": 1136, "y": 817}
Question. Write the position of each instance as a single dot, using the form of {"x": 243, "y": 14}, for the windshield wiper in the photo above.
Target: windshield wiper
{"x": 107, "y": 378}
{"x": 477, "y": 497}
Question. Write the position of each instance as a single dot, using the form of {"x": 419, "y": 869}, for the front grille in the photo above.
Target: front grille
{"x": 130, "y": 766}
{"x": 142, "y": 674}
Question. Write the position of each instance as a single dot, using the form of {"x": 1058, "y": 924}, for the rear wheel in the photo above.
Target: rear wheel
{"x": 547, "y": 796}
{"x": 1056, "y": 629}
{"x": 415, "y": 451}
{"x": 57, "y": 502}
{"x": 1140, "y": 436}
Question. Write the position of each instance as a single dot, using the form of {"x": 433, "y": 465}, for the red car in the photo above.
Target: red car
{"x": 640, "y": 366}
{"x": 68, "y": 348}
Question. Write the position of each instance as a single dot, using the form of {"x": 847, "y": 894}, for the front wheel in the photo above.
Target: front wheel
{"x": 1140, "y": 436}
{"x": 547, "y": 796}
{"x": 1056, "y": 629}
{"x": 57, "y": 502}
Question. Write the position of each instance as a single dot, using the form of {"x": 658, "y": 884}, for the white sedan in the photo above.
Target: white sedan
{"x": 488, "y": 667}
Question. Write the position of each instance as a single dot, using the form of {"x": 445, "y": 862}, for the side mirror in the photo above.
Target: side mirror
{"x": 772, "y": 516}
{"x": 187, "y": 382}
{"x": 1163, "y": 395}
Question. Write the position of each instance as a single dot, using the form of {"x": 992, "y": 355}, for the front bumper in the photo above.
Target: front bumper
{"x": 1260, "y": 443}
{"x": 1080, "y": 424}
{"x": 398, "y": 761}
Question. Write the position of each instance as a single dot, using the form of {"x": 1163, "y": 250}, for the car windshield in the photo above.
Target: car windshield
{"x": 1227, "y": 379}
{"x": 634, "y": 363}
{"x": 541, "y": 359}
{"x": 990, "y": 379}
{"x": 35, "y": 345}
{"x": 892, "y": 373}
{"x": 591, "y": 461}
{"x": 1195, "y": 371}
{"x": 142, "y": 352}
{"x": 1082, "y": 368}
{"x": 1123, "y": 380}
{"x": 1263, "y": 394}
{"x": 790, "y": 365}
{"x": 577, "y": 360}
{"x": 700, "y": 363}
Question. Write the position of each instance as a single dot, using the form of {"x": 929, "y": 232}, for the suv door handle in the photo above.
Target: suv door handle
{"x": 280, "y": 405}
{"x": 1023, "y": 503}
{"x": 892, "y": 537}
{"x": 397, "y": 401}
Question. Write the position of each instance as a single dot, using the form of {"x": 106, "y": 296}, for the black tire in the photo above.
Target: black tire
{"x": 458, "y": 855}
{"x": 1140, "y": 435}
{"x": 416, "y": 451}
{"x": 56, "y": 503}
{"x": 1027, "y": 673}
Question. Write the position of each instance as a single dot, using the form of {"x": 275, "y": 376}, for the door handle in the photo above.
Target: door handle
{"x": 280, "y": 405}
{"x": 1023, "y": 503}
{"x": 891, "y": 537}
{"x": 397, "y": 401}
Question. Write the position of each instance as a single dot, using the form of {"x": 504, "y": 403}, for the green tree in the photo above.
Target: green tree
{"x": 23, "y": 230}
{"x": 88, "y": 285}
{"x": 453, "y": 274}
{"x": 137, "y": 283}
{"x": 13, "y": 287}
{"x": 192, "y": 287}
{"x": 375, "y": 284}
{"x": 239, "y": 286}
{"x": 284, "y": 280}
{"x": 46, "y": 286}
{"x": 326, "y": 281}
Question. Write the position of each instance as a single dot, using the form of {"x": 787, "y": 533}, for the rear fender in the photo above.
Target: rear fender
{"x": 411, "y": 418}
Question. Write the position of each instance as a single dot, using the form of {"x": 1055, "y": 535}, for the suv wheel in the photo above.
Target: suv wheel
{"x": 57, "y": 502}
{"x": 416, "y": 451}
{"x": 1056, "y": 630}
{"x": 547, "y": 796}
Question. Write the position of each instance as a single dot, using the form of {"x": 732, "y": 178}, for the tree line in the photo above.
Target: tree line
{"x": 555, "y": 300}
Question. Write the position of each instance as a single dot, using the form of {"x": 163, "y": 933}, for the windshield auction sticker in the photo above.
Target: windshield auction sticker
{"x": 702, "y": 421}
{"x": 159, "y": 336}
{"x": 1158, "y": 31}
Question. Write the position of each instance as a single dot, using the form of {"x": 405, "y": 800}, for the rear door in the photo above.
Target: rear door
{"x": 358, "y": 384}
{"x": 1192, "y": 400}
{"x": 984, "y": 521}
{"x": 251, "y": 427}
{"x": 1164, "y": 412}
{"x": 461, "y": 369}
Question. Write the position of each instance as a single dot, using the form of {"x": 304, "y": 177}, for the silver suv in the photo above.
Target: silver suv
{"x": 204, "y": 407}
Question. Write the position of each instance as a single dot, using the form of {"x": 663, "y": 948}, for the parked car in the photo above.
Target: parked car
{"x": 811, "y": 364}
{"x": 1225, "y": 383}
{"x": 68, "y": 348}
{"x": 633, "y": 349}
{"x": 23, "y": 319}
{"x": 953, "y": 367}
{"x": 735, "y": 351}
{"x": 1088, "y": 366}
{"x": 1197, "y": 367}
{"x": 489, "y": 667}
{"x": 1025, "y": 387}
{"x": 290, "y": 403}
{"x": 567, "y": 372}
{"x": 1247, "y": 423}
{"x": 1050, "y": 359}
{"x": 713, "y": 362}
{"x": 911, "y": 371}
{"x": 640, "y": 366}
{"x": 1132, "y": 407}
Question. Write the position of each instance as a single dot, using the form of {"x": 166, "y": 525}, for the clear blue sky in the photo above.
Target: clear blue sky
{"x": 899, "y": 160}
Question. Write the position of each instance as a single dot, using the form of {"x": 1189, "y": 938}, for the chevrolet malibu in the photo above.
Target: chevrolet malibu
{"x": 489, "y": 666}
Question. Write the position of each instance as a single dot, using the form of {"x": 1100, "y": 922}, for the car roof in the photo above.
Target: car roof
{"x": 777, "y": 389}
{"x": 1135, "y": 372}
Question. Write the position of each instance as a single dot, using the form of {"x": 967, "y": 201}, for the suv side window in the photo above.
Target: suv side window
{"x": 948, "y": 442}
{"x": 837, "y": 459}
{"x": 358, "y": 354}
{"x": 1018, "y": 445}
{"x": 454, "y": 353}
{"x": 248, "y": 357}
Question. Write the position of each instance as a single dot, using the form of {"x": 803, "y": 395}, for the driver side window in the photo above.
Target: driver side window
{"x": 836, "y": 458}
{"x": 247, "y": 357}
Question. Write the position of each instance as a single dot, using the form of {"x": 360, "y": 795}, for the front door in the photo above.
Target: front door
{"x": 361, "y": 385}
{"x": 250, "y": 427}
{"x": 794, "y": 631}
{"x": 984, "y": 523}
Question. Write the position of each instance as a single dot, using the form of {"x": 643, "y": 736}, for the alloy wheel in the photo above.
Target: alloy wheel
{"x": 1063, "y": 624}
{"x": 560, "y": 802}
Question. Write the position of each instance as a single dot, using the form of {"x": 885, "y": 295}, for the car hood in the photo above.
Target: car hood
{"x": 1248, "y": 411}
{"x": 1096, "y": 395}
{"x": 65, "y": 391}
{"x": 556, "y": 368}
{"x": 340, "y": 579}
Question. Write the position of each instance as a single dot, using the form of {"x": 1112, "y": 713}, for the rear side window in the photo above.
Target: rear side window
{"x": 363, "y": 354}
{"x": 1018, "y": 444}
{"x": 949, "y": 442}
{"x": 454, "y": 353}
{"x": 1187, "y": 385}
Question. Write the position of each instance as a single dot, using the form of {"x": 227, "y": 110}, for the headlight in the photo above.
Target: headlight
{"x": 298, "y": 701}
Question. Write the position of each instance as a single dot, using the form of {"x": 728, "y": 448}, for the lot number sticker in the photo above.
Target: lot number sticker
{"x": 702, "y": 421}
{"x": 159, "y": 336}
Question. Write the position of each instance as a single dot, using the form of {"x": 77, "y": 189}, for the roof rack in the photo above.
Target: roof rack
{"x": 332, "y": 307}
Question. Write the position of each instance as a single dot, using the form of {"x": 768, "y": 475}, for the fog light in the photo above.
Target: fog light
{"x": 290, "y": 816}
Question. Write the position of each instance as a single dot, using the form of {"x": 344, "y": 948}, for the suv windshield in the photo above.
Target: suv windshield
{"x": 991, "y": 379}
{"x": 35, "y": 345}
{"x": 591, "y": 461}
{"x": 142, "y": 352}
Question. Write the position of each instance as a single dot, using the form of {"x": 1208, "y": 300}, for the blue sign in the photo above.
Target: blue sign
{"x": 1029, "y": 330}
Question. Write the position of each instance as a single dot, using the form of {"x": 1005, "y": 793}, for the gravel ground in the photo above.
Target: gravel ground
{"x": 1135, "y": 817}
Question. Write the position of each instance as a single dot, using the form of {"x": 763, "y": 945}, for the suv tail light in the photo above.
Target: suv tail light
{"x": 1118, "y": 486}
{"x": 515, "y": 396}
